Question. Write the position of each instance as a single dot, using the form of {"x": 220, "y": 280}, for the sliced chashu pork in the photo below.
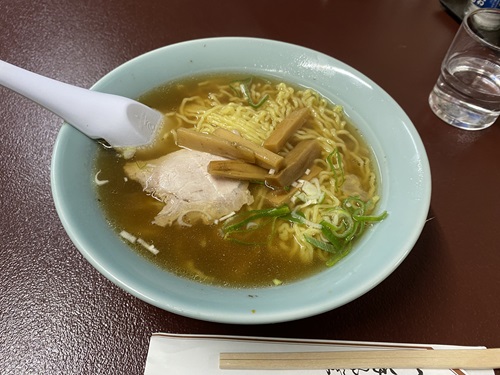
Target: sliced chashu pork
{"x": 181, "y": 181}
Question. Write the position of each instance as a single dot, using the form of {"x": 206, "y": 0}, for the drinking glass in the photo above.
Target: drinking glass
{"x": 467, "y": 92}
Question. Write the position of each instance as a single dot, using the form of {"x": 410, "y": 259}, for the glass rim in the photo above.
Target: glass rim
{"x": 467, "y": 26}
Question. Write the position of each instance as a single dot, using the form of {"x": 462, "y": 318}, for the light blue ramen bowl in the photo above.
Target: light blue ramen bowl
{"x": 405, "y": 185}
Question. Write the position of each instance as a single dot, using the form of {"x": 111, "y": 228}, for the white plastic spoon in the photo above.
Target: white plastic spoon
{"x": 120, "y": 121}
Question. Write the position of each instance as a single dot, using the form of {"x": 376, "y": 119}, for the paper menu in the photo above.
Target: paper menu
{"x": 173, "y": 354}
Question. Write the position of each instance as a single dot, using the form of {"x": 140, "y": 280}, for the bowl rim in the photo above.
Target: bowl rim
{"x": 305, "y": 56}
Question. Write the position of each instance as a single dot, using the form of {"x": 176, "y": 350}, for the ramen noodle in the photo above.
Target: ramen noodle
{"x": 257, "y": 227}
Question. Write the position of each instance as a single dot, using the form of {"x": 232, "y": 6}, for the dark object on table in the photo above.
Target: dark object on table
{"x": 455, "y": 8}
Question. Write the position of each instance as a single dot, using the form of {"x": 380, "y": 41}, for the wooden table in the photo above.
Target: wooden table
{"x": 58, "y": 315}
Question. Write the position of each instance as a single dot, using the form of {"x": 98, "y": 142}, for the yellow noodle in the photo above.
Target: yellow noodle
{"x": 225, "y": 108}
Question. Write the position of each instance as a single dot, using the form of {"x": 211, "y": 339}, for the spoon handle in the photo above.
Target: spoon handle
{"x": 120, "y": 121}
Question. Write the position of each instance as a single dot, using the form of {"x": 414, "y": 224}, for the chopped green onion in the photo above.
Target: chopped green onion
{"x": 298, "y": 217}
{"x": 325, "y": 246}
{"x": 334, "y": 259}
{"x": 334, "y": 160}
{"x": 244, "y": 227}
{"x": 244, "y": 218}
{"x": 330, "y": 236}
{"x": 354, "y": 205}
{"x": 244, "y": 88}
{"x": 235, "y": 85}
{"x": 369, "y": 218}
{"x": 340, "y": 222}
{"x": 246, "y": 91}
{"x": 254, "y": 233}
{"x": 337, "y": 254}
{"x": 342, "y": 225}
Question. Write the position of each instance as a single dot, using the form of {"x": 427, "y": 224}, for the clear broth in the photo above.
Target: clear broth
{"x": 196, "y": 252}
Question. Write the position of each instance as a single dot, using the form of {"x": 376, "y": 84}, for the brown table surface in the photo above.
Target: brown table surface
{"x": 58, "y": 315}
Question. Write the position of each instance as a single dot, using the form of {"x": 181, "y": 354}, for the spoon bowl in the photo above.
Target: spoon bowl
{"x": 120, "y": 121}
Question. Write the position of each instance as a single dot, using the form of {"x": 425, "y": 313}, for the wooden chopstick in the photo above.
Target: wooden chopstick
{"x": 387, "y": 358}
